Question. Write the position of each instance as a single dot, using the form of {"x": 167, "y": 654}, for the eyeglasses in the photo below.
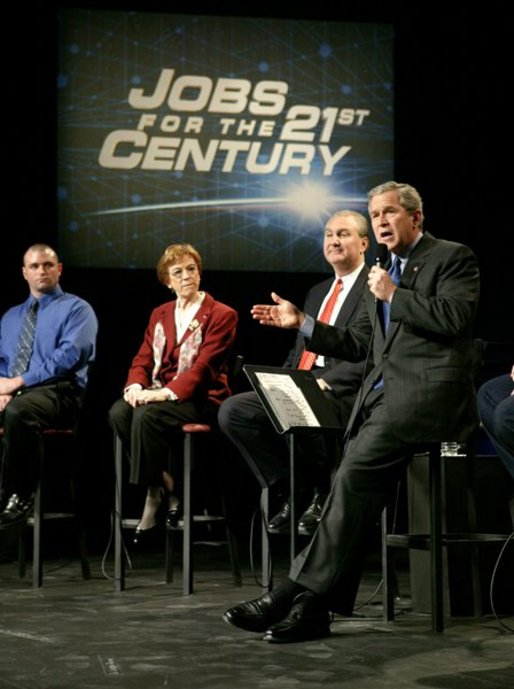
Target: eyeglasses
{"x": 177, "y": 273}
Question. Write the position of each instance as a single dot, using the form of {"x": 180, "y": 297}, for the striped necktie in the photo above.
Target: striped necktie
{"x": 308, "y": 358}
{"x": 24, "y": 351}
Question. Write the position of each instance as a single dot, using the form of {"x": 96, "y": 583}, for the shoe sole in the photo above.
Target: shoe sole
{"x": 255, "y": 628}
{"x": 311, "y": 635}
{"x": 283, "y": 529}
{"x": 16, "y": 522}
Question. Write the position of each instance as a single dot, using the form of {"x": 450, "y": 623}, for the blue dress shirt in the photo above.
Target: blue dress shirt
{"x": 64, "y": 341}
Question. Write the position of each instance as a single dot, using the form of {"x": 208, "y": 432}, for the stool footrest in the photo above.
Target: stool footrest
{"x": 197, "y": 519}
{"x": 49, "y": 516}
{"x": 422, "y": 541}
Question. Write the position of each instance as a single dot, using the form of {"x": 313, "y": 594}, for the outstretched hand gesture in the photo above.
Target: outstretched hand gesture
{"x": 282, "y": 314}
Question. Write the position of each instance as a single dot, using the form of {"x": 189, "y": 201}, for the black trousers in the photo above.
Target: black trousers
{"x": 496, "y": 408}
{"x": 152, "y": 434}
{"x": 243, "y": 419}
{"x": 32, "y": 410}
{"x": 373, "y": 462}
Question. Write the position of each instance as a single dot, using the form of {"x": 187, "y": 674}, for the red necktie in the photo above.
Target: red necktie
{"x": 308, "y": 358}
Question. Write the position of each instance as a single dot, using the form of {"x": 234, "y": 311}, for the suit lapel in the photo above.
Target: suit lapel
{"x": 413, "y": 267}
{"x": 352, "y": 299}
{"x": 411, "y": 272}
{"x": 417, "y": 260}
{"x": 320, "y": 296}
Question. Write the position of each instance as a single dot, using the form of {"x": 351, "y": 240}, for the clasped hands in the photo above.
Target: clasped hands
{"x": 8, "y": 388}
{"x": 136, "y": 396}
{"x": 4, "y": 401}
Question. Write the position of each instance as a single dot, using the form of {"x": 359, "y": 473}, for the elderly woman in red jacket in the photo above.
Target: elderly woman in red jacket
{"x": 179, "y": 375}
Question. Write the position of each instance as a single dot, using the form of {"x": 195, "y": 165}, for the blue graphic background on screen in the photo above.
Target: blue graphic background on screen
{"x": 311, "y": 142}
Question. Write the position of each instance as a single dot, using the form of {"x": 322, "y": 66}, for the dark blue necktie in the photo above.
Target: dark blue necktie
{"x": 24, "y": 351}
{"x": 395, "y": 271}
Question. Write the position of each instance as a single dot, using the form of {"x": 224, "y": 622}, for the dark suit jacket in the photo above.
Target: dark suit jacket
{"x": 344, "y": 377}
{"x": 427, "y": 358}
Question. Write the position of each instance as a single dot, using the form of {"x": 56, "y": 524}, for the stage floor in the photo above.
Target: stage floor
{"x": 77, "y": 634}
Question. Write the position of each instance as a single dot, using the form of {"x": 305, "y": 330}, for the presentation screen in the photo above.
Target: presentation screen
{"x": 238, "y": 135}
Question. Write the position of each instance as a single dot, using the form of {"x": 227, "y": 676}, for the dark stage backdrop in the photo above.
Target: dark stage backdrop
{"x": 238, "y": 135}
{"x": 452, "y": 126}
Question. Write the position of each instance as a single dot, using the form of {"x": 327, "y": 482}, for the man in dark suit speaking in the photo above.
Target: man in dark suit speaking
{"x": 243, "y": 418}
{"x": 417, "y": 319}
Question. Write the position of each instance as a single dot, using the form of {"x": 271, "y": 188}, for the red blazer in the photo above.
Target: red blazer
{"x": 197, "y": 365}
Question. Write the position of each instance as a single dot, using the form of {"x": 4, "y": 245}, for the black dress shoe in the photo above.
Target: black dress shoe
{"x": 307, "y": 619}
{"x": 146, "y": 537}
{"x": 257, "y": 615}
{"x": 174, "y": 517}
{"x": 281, "y": 521}
{"x": 17, "y": 510}
{"x": 311, "y": 517}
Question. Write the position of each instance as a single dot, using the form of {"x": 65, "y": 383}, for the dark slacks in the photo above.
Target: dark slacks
{"x": 496, "y": 410}
{"x": 152, "y": 435}
{"x": 243, "y": 419}
{"x": 373, "y": 462}
{"x": 32, "y": 410}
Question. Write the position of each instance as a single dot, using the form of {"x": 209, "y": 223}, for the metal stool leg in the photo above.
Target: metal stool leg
{"x": 187, "y": 555}
{"x": 436, "y": 544}
{"x": 119, "y": 556}
{"x": 293, "y": 538}
{"x": 388, "y": 573}
{"x": 266, "y": 566}
{"x": 37, "y": 558}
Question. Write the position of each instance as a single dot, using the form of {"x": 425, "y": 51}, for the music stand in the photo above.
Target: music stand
{"x": 295, "y": 405}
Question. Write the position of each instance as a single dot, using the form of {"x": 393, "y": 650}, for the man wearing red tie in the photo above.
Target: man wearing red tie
{"x": 245, "y": 422}
{"x": 419, "y": 391}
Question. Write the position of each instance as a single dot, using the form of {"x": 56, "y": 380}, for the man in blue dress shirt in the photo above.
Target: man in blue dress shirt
{"x": 43, "y": 374}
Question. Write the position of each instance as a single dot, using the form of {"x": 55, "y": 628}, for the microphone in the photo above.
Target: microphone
{"x": 381, "y": 255}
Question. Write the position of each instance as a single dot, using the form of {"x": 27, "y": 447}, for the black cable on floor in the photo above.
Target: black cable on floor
{"x": 491, "y": 586}
{"x": 107, "y": 549}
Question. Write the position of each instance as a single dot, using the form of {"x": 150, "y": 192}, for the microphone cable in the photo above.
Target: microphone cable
{"x": 359, "y": 398}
